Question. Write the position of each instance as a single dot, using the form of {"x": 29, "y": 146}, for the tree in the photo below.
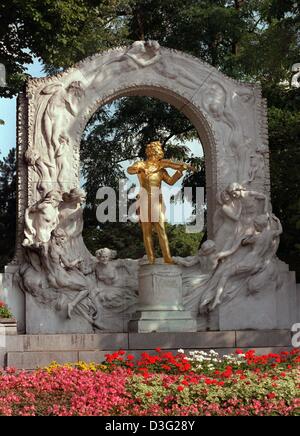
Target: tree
{"x": 8, "y": 189}
{"x": 59, "y": 33}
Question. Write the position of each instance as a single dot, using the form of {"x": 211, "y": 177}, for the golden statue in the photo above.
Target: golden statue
{"x": 151, "y": 173}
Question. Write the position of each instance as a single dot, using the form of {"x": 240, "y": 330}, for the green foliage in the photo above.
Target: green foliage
{"x": 4, "y": 311}
{"x": 285, "y": 162}
{"x": 127, "y": 239}
{"x": 7, "y": 207}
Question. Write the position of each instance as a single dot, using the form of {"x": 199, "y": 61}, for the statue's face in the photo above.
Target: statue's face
{"x": 104, "y": 258}
{"x": 236, "y": 193}
{"x": 82, "y": 198}
{"x": 154, "y": 153}
{"x": 60, "y": 240}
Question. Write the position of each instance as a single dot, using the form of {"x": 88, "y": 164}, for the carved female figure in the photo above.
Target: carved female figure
{"x": 43, "y": 169}
{"x": 197, "y": 283}
{"x": 71, "y": 221}
{"x": 62, "y": 103}
{"x": 114, "y": 292}
{"x": 61, "y": 272}
{"x": 41, "y": 219}
{"x": 262, "y": 241}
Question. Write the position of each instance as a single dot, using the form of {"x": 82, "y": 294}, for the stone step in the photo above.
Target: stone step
{"x": 31, "y": 351}
{"x": 38, "y": 359}
{"x": 139, "y": 341}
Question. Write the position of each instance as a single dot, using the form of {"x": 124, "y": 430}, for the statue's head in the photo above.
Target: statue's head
{"x": 76, "y": 88}
{"x": 31, "y": 156}
{"x": 59, "y": 235}
{"x": 76, "y": 195}
{"x": 104, "y": 255}
{"x": 208, "y": 247}
{"x": 235, "y": 189}
{"x": 261, "y": 222}
{"x": 154, "y": 150}
{"x": 223, "y": 197}
{"x": 54, "y": 197}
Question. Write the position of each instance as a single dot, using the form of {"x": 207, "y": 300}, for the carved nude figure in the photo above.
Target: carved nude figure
{"x": 142, "y": 54}
{"x": 208, "y": 257}
{"x": 234, "y": 217}
{"x": 262, "y": 242}
{"x": 139, "y": 55}
{"x": 256, "y": 167}
{"x": 197, "y": 282}
{"x": 62, "y": 103}
{"x": 114, "y": 291}
{"x": 62, "y": 273}
{"x": 43, "y": 169}
{"x": 71, "y": 221}
{"x": 41, "y": 219}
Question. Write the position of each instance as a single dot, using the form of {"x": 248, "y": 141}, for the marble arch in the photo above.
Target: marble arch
{"x": 229, "y": 116}
{"x": 231, "y": 120}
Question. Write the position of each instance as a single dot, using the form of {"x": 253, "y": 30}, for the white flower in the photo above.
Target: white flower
{"x": 181, "y": 351}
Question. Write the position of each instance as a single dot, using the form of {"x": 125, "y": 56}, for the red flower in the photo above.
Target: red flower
{"x": 271, "y": 395}
{"x": 180, "y": 388}
{"x": 130, "y": 357}
{"x": 158, "y": 350}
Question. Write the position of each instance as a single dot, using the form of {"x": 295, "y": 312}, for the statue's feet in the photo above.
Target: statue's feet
{"x": 70, "y": 310}
{"x": 169, "y": 261}
{"x": 216, "y": 303}
{"x": 151, "y": 260}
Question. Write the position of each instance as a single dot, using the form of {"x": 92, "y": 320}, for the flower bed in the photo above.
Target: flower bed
{"x": 5, "y": 313}
{"x": 163, "y": 384}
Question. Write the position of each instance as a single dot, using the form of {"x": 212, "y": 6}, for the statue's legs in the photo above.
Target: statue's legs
{"x": 163, "y": 239}
{"x": 148, "y": 241}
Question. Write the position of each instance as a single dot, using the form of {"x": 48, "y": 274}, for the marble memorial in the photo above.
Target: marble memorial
{"x": 236, "y": 281}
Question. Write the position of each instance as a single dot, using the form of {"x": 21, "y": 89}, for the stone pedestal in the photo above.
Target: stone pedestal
{"x": 160, "y": 301}
{"x": 8, "y": 326}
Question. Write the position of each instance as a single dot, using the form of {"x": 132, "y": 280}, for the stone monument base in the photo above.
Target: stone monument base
{"x": 148, "y": 321}
{"x": 160, "y": 301}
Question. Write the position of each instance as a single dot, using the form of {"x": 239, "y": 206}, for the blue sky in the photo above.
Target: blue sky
{"x": 8, "y": 113}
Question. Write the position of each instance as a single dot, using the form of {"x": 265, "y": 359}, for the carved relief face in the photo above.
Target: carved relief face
{"x": 60, "y": 239}
{"x": 104, "y": 258}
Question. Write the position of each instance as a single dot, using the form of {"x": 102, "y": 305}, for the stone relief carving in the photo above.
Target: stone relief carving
{"x": 116, "y": 289}
{"x": 58, "y": 264}
{"x": 234, "y": 217}
{"x": 41, "y": 219}
{"x": 43, "y": 169}
{"x": 249, "y": 261}
{"x": 56, "y": 267}
{"x": 56, "y": 106}
{"x": 254, "y": 266}
{"x": 140, "y": 55}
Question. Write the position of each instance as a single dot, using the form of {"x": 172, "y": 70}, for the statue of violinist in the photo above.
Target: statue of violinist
{"x": 151, "y": 173}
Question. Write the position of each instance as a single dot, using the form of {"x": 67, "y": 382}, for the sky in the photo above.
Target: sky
{"x": 8, "y": 113}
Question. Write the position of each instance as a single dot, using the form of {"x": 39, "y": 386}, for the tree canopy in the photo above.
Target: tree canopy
{"x": 250, "y": 40}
